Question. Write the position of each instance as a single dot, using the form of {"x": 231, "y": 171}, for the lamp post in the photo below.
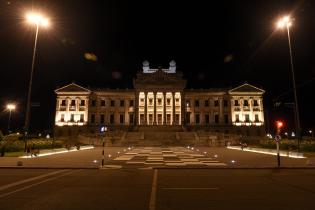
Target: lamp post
{"x": 39, "y": 21}
{"x": 286, "y": 22}
{"x": 10, "y": 107}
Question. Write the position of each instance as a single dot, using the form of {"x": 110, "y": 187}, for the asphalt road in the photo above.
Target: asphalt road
{"x": 228, "y": 188}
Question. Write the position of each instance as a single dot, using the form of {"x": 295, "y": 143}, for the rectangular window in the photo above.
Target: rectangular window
{"x": 226, "y": 119}
{"x": 168, "y": 119}
{"x": 121, "y": 119}
{"x": 159, "y": 119}
{"x": 82, "y": 103}
{"x": 207, "y": 118}
{"x": 188, "y": 117}
{"x": 245, "y": 102}
{"x": 92, "y": 118}
{"x": 112, "y": 103}
{"x": 102, "y": 102}
{"x": 237, "y": 118}
{"x": 159, "y": 101}
{"x": 187, "y": 103}
{"x": 102, "y": 118}
{"x": 150, "y": 101}
{"x": 72, "y": 102}
{"x": 216, "y": 103}
{"x": 111, "y": 119}
{"x": 196, "y": 103}
{"x": 225, "y": 103}
{"x": 216, "y": 118}
{"x": 130, "y": 118}
{"x": 236, "y": 103}
{"x": 142, "y": 119}
{"x": 63, "y": 103}
{"x": 177, "y": 119}
{"x": 256, "y": 118}
{"x": 62, "y": 118}
{"x": 122, "y": 103}
{"x": 72, "y": 118}
{"x": 168, "y": 101}
{"x": 93, "y": 103}
{"x": 246, "y": 117}
{"x": 131, "y": 103}
{"x": 206, "y": 103}
{"x": 255, "y": 103}
{"x": 81, "y": 117}
{"x": 177, "y": 101}
{"x": 150, "y": 119}
{"x": 197, "y": 119}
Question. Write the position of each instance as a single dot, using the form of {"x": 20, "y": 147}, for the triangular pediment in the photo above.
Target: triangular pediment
{"x": 72, "y": 88}
{"x": 246, "y": 88}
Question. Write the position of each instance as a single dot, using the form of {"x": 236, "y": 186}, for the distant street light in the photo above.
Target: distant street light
{"x": 10, "y": 107}
{"x": 286, "y": 22}
{"x": 39, "y": 21}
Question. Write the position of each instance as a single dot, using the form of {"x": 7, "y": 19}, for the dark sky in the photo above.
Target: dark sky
{"x": 215, "y": 43}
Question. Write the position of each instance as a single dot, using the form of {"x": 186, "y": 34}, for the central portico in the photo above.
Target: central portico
{"x": 159, "y": 96}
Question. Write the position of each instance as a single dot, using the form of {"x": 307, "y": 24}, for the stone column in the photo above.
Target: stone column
{"x": 183, "y": 108}
{"x": 221, "y": 115}
{"x": 173, "y": 110}
{"x": 136, "y": 108}
{"x": 164, "y": 108}
{"x": 154, "y": 101}
{"x": 145, "y": 108}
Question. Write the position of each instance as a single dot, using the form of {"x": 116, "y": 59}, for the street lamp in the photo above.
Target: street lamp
{"x": 10, "y": 107}
{"x": 286, "y": 22}
{"x": 39, "y": 21}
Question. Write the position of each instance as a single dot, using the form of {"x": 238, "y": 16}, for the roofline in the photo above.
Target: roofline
{"x": 249, "y": 85}
{"x": 73, "y": 84}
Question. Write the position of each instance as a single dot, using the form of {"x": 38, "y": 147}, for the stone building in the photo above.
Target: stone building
{"x": 159, "y": 98}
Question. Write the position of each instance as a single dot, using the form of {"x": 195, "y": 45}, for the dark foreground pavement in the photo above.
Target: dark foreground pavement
{"x": 157, "y": 189}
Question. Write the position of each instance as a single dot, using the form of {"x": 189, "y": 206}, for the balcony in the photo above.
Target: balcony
{"x": 237, "y": 109}
{"x": 72, "y": 108}
{"x": 248, "y": 123}
{"x": 246, "y": 108}
{"x": 62, "y": 108}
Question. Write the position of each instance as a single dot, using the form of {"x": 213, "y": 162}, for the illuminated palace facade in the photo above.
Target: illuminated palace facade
{"x": 159, "y": 98}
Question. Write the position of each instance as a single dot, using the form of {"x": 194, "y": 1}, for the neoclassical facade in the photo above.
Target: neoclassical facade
{"x": 159, "y": 98}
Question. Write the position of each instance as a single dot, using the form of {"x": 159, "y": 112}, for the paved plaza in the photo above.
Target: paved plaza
{"x": 157, "y": 157}
{"x": 164, "y": 157}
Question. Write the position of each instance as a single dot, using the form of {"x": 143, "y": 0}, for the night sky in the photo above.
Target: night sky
{"x": 215, "y": 43}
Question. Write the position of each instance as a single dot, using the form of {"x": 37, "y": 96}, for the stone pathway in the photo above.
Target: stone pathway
{"x": 147, "y": 157}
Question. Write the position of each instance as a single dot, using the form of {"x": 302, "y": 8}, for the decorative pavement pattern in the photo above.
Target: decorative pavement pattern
{"x": 149, "y": 157}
